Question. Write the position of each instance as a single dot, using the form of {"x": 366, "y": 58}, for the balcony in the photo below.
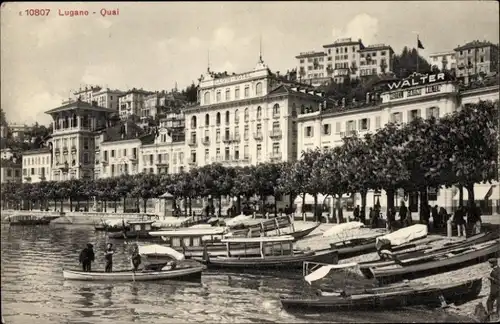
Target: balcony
{"x": 193, "y": 163}
{"x": 161, "y": 163}
{"x": 236, "y": 138}
{"x": 192, "y": 142}
{"x": 227, "y": 139}
{"x": 276, "y": 156}
{"x": 104, "y": 162}
{"x": 65, "y": 150}
{"x": 276, "y": 134}
{"x": 57, "y": 151}
{"x": 97, "y": 148}
{"x": 206, "y": 140}
{"x": 258, "y": 136}
{"x": 73, "y": 149}
{"x": 133, "y": 159}
{"x": 349, "y": 133}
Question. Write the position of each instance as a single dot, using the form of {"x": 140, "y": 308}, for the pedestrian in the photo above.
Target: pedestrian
{"x": 474, "y": 218}
{"x": 356, "y": 213}
{"x": 403, "y": 211}
{"x": 136, "y": 257}
{"x": 362, "y": 215}
{"x": 108, "y": 255}
{"x": 391, "y": 217}
{"x": 458, "y": 219}
{"x": 443, "y": 216}
{"x": 436, "y": 221}
{"x": 87, "y": 257}
{"x": 494, "y": 287}
{"x": 373, "y": 218}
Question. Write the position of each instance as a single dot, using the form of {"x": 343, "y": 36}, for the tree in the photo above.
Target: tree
{"x": 243, "y": 184}
{"x": 191, "y": 93}
{"x": 405, "y": 63}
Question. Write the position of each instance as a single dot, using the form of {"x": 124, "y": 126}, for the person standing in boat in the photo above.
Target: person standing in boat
{"x": 136, "y": 257}
{"x": 108, "y": 255}
{"x": 494, "y": 287}
{"x": 87, "y": 257}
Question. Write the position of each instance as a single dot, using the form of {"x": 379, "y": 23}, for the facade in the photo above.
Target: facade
{"x": 165, "y": 155}
{"x": 18, "y": 131}
{"x": 107, "y": 98}
{"x": 344, "y": 59}
{"x": 433, "y": 96}
{"x": 10, "y": 171}
{"x": 444, "y": 60}
{"x": 476, "y": 58}
{"x": 4, "y": 131}
{"x": 244, "y": 119}
{"x": 72, "y": 143}
{"x": 85, "y": 94}
{"x": 131, "y": 103}
{"x": 37, "y": 165}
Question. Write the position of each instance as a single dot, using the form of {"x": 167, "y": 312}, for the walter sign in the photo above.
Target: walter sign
{"x": 418, "y": 80}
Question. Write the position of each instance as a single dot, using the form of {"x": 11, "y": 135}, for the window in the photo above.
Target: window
{"x": 181, "y": 157}
{"x": 226, "y": 135}
{"x": 112, "y": 153}
{"x": 276, "y": 149}
{"x": 245, "y": 133}
{"x": 247, "y": 91}
{"x": 413, "y": 114}
{"x": 193, "y": 156}
{"x": 236, "y": 153}
{"x": 207, "y": 155}
{"x": 350, "y": 126}
{"x": 327, "y": 130}
{"x": 276, "y": 110}
{"x": 9, "y": 173}
{"x": 246, "y": 115}
{"x": 226, "y": 154}
{"x": 227, "y": 117}
{"x": 206, "y": 98}
{"x": 217, "y": 136}
{"x": 259, "y": 113}
{"x": 377, "y": 122}
{"x": 207, "y": 120}
{"x": 338, "y": 127}
{"x": 237, "y": 93}
{"x": 217, "y": 119}
{"x": 228, "y": 94}
{"x": 276, "y": 126}
{"x": 193, "y": 137}
{"x": 364, "y": 124}
{"x": 245, "y": 152}
{"x": 433, "y": 112}
{"x": 112, "y": 169}
{"x": 259, "y": 129}
{"x": 302, "y": 61}
{"x": 193, "y": 122}
{"x": 124, "y": 152}
{"x": 218, "y": 96}
{"x": 85, "y": 143}
{"x": 151, "y": 159}
{"x": 309, "y": 131}
{"x": 236, "y": 116}
{"x": 259, "y": 151}
{"x": 105, "y": 155}
{"x": 258, "y": 89}
{"x": 217, "y": 154}
{"x": 396, "y": 117}
{"x": 236, "y": 132}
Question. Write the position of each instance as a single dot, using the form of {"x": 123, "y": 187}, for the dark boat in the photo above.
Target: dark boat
{"x": 28, "y": 220}
{"x": 387, "y": 297}
{"x": 112, "y": 226}
{"x": 395, "y": 257}
{"x": 138, "y": 230}
{"x": 436, "y": 262}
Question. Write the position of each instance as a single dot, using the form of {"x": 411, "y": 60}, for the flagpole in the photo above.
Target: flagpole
{"x": 417, "y": 52}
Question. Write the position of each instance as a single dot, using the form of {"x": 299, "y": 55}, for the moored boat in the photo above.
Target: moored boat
{"x": 27, "y": 220}
{"x": 138, "y": 230}
{"x": 187, "y": 273}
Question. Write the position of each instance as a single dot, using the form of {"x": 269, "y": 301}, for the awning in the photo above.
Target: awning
{"x": 480, "y": 192}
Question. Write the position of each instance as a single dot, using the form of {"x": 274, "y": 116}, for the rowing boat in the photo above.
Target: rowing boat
{"x": 188, "y": 273}
{"x": 387, "y": 297}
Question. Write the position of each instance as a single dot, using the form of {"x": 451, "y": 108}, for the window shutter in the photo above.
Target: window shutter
{"x": 428, "y": 113}
{"x": 353, "y": 125}
{"x": 377, "y": 122}
{"x": 368, "y": 123}
{"x": 338, "y": 127}
{"x": 419, "y": 113}
{"x": 360, "y": 123}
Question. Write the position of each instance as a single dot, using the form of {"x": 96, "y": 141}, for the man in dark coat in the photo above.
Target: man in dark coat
{"x": 435, "y": 217}
{"x": 403, "y": 211}
{"x": 87, "y": 257}
{"x": 109, "y": 257}
{"x": 356, "y": 213}
{"x": 494, "y": 287}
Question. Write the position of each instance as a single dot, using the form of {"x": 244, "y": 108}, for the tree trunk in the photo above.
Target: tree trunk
{"x": 116, "y": 206}
{"x": 470, "y": 191}
{"x": 424, "y": 205}
{"x": 70, "y": 204}
{"x": 362, "y": 212}
{"x": 190, "y": 207}
{"x": 78, "y": 204}
{"x": 105, "y": 206}
{"x": 145, "y": 201}
{"x": 316, "y": 216}
{"x": 124, "y": 201}
{"x": 303, "y": 205}
{"x": 220, "y": 206}
{"x": 238, "y": 205}
{"x": 390, "y": 198}
{"x": 55, "y": 204}
{"x": 62, "y": 205}
{"x": 185, "y": 207}
{"x": 340, "y": 211}
{"x": 275, "y": 207}
{"x": 460, "y": 195}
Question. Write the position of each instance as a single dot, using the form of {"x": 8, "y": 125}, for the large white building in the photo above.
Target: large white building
{"x": 244, "y": 119}
{"x": 434, "y": 96}
{"x": 443, "y": 60}
{"x": 37, "y": 165}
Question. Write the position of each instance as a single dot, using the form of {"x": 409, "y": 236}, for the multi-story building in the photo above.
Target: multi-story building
{"x": 443, "y": 60}
{"x": 244, "y": 119}
{"x": 10, "y": 170}
{"x": 85, "y": 94}
{"x": 344, "y": 59}
{"x": 118, "y": 150}
{"x": 19, "y": 132}
{"x": 132, "y": 102}
{"x": 476, "y": 58}
{"x": 374, "y": 60}
{"x": 402, "y": 102}
{"x": 165, "y": 155}
{"x": 72, "y": 143}
{"x": 107, "y": 98}
{"x": 37, "y": 165}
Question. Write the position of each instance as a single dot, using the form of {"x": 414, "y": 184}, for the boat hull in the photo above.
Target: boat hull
{"x": 31, "y": 222}
{"x": 184, "y": 274}
{"x": 268, "y": 263}
{"x": 377, "y": 299}
{"x": 130, "y": 235}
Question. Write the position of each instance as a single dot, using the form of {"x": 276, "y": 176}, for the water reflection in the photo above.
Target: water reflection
{"x": 32, "y": 259}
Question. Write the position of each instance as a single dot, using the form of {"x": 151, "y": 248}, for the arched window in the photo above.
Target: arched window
{"x": 207, "y": 120}
{"x": 227, "y": 117}
{"x": 228, "y": 94}
{"x": 258, "y": 89}
{"x": 193, "y": 122}
{"x": 259, "y": 113}
{"x": 246, "y": 115}
{"x": 236, "y": 116}
{"x": 207, "y": 98}
{"x": 217, "y": 119}
{"x": 276, "y": 110}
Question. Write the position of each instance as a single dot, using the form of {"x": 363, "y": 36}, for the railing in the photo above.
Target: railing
{"x": 226, "y": 139}
{"x": 73, "y": 148}
{"x": 193, "y": 163}
{"x": 57, "y": 151}
{"x": 276, "y": 156}
{"x": 65, "y": 150}
{"x": 348, "y": 133}
{"x": 258, "y": 136}
{"x": 275, "y": 133}
{"x": 206, "y": 140}
{"x": 192, "y": 142}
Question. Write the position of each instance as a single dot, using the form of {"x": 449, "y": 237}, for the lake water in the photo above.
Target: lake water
{"x": 33, "y": 289}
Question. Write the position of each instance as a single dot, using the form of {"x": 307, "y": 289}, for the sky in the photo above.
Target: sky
{"x": 154, "y": 45}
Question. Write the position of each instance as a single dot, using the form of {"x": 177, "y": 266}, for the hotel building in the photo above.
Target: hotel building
{"x": 374, "y": 60}
{"x": 37, "y": 165}
{"x": 326, "y": 128}
{"x": 444, "y": 60}
{"x": 107, "y": 98}
{"x": 476, "y": 58}
{"x": 244, "y": 119}
{"x": 132, "y": 102}
{"x": 72, "y": 143}
{"x": 10, "y": 170}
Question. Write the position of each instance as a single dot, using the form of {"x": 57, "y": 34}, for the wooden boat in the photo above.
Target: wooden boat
{"x": 436, "y": 262}
{"x": 112, "y": 226}
{"x": 354, "y": 247}
{"x": 187, "y": 273}
{"x": 28, "y": 220}
{"x": 390, "y": 258}
{"x": 138, "y": 230}
{"x": 274, "y": 227}
{"x": 387, "y": 297}
{"x": 276, "y": 252}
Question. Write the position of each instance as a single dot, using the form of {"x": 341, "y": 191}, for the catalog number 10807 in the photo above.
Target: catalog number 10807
{"x": 37, "y": 12}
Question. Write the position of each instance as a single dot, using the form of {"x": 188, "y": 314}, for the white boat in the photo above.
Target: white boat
{"x": 240, "y": 220}
{"x": 402, "y": 236}
{"x": 188, "y": 273}
{"x": 159, "y": 251}
{"x": 341, "y": 229}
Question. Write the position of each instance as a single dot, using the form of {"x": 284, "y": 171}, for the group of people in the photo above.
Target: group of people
{"x": 87, "y": 256}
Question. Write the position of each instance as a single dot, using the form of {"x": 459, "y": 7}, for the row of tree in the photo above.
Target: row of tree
{"x": 460, "y": 149}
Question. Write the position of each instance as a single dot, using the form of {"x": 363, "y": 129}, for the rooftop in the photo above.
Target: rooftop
{"x": 375, "y": 47}
{"x": 344, "y": 42}
{"x": 42, "y": 150}
{"x": 124, "y": 131}
{"x": 474, "y": 44}
{"x": 4, "y": 163}
{"x": 310, "y": 54}
{"x": 78, "y": 104}
{"x": 138, "y": 91}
